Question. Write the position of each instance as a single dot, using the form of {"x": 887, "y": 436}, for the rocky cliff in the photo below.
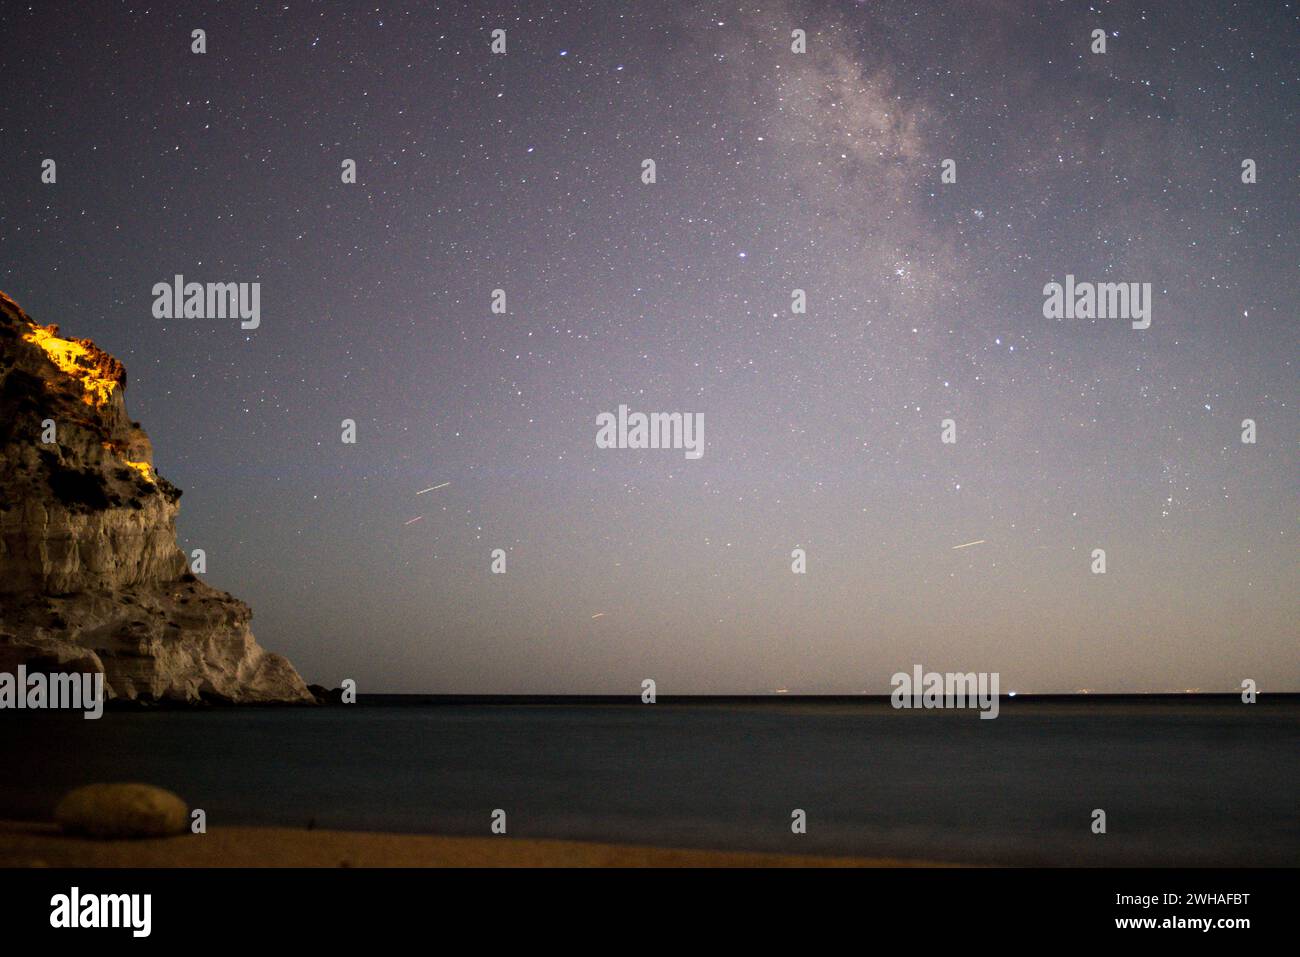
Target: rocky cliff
{"x": 91, "y": 578}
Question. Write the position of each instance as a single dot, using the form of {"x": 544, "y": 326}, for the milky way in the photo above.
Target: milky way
{"x": 775, "y": 171}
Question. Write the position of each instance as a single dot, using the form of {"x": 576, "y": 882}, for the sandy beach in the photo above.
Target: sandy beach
{"x": 44, "y": 845}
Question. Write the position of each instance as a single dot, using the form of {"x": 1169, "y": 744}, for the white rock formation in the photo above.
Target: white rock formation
{"x": 91, "y": 577}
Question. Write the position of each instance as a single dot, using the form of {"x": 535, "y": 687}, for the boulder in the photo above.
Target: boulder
{"x": 122, "y": 810}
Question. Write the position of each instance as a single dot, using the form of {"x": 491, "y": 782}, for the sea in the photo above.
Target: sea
{"x": 1181, "y": 780}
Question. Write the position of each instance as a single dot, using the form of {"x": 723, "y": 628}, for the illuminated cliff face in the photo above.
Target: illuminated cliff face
{"x": 91, "y": 577}
{"x": 102, "y": 379}
{"x": 145, "y": 468}
{"x": 99, "y": 373}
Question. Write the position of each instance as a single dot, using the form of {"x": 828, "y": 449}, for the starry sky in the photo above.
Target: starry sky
{"x": 775, "y": 171}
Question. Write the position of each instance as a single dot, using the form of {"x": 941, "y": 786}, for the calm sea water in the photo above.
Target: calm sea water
{"x": 1181, "y": 782}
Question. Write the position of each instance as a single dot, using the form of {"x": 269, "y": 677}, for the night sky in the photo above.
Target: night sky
{"x": 775, "y": 171}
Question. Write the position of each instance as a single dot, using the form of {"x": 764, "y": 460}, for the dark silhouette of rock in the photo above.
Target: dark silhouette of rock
{"x": 122, "y": 810}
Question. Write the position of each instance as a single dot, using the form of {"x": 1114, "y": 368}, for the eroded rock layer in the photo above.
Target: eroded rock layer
{"x": 91, "y": 577}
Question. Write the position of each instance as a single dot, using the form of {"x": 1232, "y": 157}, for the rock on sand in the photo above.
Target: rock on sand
{"x": 121, "y": 810}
